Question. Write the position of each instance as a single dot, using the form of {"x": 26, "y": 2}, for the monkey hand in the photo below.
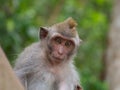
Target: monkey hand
{"x": 78, "y": 87}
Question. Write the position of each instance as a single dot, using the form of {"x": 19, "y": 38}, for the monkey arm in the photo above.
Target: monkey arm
{"x": 76, "y": 79}
{"x": 22, "y": 71}
{"x": 22, "y": 77}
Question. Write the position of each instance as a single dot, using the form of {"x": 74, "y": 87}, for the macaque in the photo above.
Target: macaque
{"x": 48, "y": 64}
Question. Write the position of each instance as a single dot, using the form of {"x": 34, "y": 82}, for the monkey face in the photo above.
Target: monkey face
{"x": 60, "y": 48}
{"x": 61, "y": 40}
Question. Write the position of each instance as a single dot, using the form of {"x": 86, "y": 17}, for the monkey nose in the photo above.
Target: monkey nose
{"x": 60, "y": 52}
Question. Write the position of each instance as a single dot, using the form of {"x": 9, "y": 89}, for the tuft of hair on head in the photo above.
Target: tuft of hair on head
{"x": 71, "y": 22}
{"x": 68, "y": 26}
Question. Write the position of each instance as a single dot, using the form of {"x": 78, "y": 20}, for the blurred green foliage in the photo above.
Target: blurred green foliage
{"x": 20, "y": 21}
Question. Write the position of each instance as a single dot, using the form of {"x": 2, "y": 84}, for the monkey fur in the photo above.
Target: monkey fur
{"x": 37, "y": 72}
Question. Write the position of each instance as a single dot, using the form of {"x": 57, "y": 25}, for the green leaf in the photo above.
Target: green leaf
{"x": 10, "y": 25}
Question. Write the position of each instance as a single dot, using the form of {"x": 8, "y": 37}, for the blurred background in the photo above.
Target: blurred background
{"x": 20, "y": 21}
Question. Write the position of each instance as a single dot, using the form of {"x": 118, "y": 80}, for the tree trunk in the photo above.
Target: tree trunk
{"x": 113, "y": 51}
{"x": 8, "y": 80}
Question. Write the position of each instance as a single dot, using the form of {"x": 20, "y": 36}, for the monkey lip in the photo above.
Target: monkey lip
{"x": 57, "y": 58}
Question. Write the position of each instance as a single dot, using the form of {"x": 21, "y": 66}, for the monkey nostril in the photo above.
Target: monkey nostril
{"x": 60, "y": 53}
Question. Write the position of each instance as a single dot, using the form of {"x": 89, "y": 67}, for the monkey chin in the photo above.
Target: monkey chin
{"x": 55, "y": 60}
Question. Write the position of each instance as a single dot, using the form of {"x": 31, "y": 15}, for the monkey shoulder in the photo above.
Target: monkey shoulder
{"x": 73, "y": 74}
{"x": 29, "y": 56}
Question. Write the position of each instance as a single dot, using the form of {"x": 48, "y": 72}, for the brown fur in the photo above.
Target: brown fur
{"x": 68, "y": 27}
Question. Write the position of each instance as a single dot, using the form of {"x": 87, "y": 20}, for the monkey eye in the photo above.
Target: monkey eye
{"x": 68, "y": 43}
{"x": 58, "y": 40}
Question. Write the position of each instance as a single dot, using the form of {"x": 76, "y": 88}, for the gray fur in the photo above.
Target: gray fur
{"x": 36, "y": 73}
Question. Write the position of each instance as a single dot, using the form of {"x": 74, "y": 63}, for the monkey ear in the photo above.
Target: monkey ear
{"x": 43, "y": 32}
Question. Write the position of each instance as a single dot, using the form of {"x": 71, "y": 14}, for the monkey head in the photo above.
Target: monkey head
{"x": 61, "y": 40}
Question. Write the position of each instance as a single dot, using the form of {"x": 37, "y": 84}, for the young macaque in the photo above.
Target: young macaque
{"x": 48, "y": 64}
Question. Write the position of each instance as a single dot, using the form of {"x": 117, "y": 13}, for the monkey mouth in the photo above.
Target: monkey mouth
{"x": 57, "y": 58}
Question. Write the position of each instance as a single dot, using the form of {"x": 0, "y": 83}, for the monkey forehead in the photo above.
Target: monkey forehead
{"x": 64, "y": 30}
